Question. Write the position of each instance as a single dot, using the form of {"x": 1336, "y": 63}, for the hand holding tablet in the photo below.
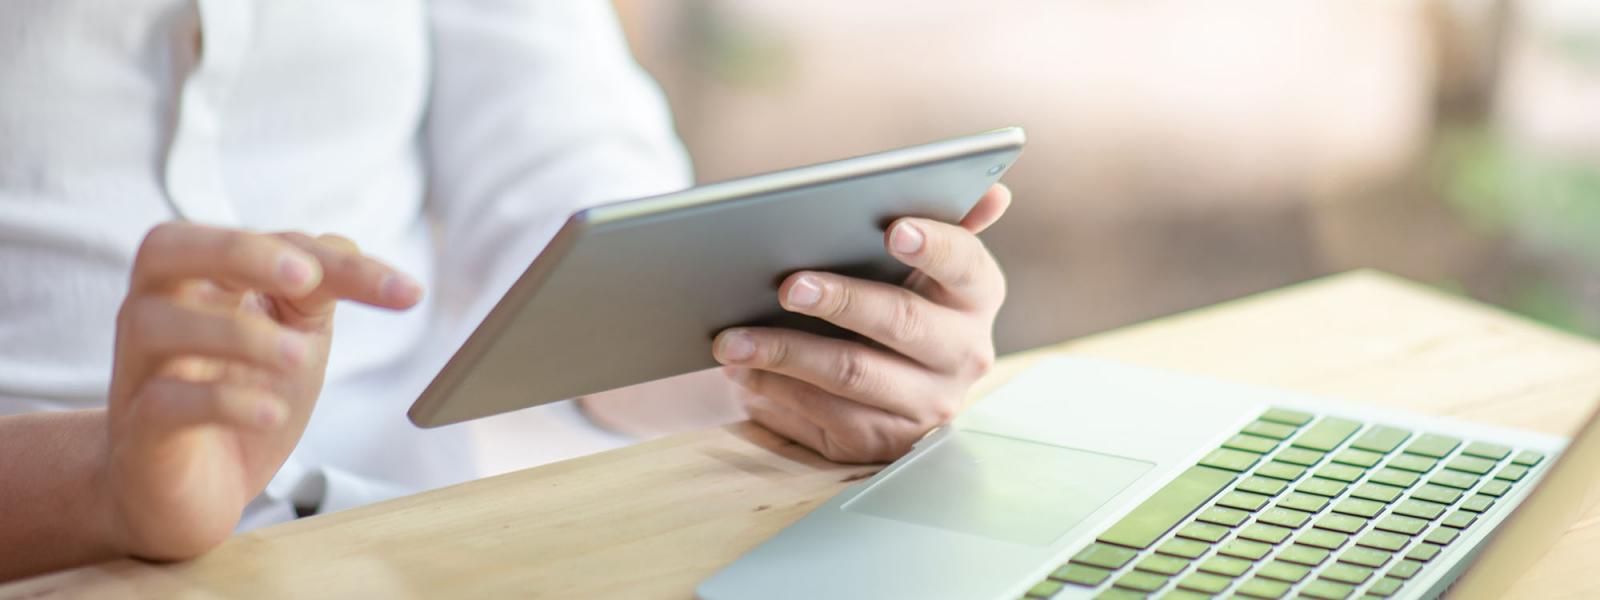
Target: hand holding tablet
{"x": 855, "y": 402}
{"x": 902, "y": 297}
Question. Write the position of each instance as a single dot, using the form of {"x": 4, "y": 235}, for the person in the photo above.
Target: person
{"x": 166, "y": 331}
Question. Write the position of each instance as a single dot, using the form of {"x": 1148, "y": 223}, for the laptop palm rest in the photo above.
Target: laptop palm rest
{"x": 1000, "y": 487}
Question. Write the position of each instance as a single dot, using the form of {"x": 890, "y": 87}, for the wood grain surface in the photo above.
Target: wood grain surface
{"x": 652, "y": 520}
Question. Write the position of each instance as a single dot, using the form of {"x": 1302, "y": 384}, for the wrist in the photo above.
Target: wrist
{"x": 104, "y": 512}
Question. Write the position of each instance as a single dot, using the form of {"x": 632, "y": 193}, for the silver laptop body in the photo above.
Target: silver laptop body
{"x": 1011, "y": 498}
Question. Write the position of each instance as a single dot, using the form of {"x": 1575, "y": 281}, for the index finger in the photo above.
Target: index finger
{"x": 177, "y": 251}
{"x": 350, "y": 275}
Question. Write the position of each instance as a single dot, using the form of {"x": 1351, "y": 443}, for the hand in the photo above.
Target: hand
{"x": 855, "y": 401}
{"x": 221, "y": 347}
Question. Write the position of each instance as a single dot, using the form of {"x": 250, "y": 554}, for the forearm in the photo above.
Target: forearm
{"x": 53, "y": 510}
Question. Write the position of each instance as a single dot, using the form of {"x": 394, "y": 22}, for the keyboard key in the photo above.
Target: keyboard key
{"x": 1442, "y": 536}
{"x": 1322, "y": 487}
{"x": 1205, "y": 582}
{"x": 1104, "y": 556}
{"x": 1433, "y": 445}
{"x": 1470, "y": 464}
{"x": 1299, "y": 456}
{"x": 1437, "y": 493}
{"x": 1386, "y": 587}
{"x": 1245, "y": 549}
{"x": 1345, "y": 473}
{"x": 1083, "y": 575}
{"x": 1366, "y": 557}
{"x": 1478, "y": 503}
{"x": 1175, "y": 595}
{"x": 1341, "y": 523}
{"x": 1284, "y": 517}
{"x": 1286, "y": 416}
{"x": 1413, "y": 463}
{"x": 1223, "y": 565}
{"x": 1120, "y": 594}
{"x": 1384, "y": 540}
{"x": 1223, "y": 516}
{"x": 1358, "y": 458}
{"x": 1141, "y": 581}
{"x": 1260, "y": 587}
{"x": 1377, "y": 492}
{"x": 1402, "y": 524}
{"x": 1162, "y": 564}
{"x": 1281, "y": 470}
{"x": 1512, "y": 473}
{"x": 1242, "y": 500}
{"x": 1231, "y": 460}
{"x": 1283, "y": 571}
{"x": 1346, "y": 573}
{"x": 1528, "y": 458}
{"x": 1495, "y": 489}
{"x": 1395, "y": 477}
{"x": 1381, "y": 439}
{"x": 1460, "y": 519}
{"x": 1454, "y": 479}
{"x": 1323, "y": 589}
{"x": 1304, "y": 502}
{"x": 1361, "y": 508}
{"x": 1262, "y": 485}
{"x": 1322, "y": 538}
{"x": 1405, "y": 569}
{"x": 1045, "y": 589}
{"x": 1204, "y": 532}
{"x": 1261, "y": 532}
{"x": 1183, "y": 548}
{"x": 1424, "y": 552}
{"x": 1251, "y": 443}
{"x": 1327, "y": 434}
{"x": 1303, "y": 555}
{"x": 1169, "y": 505}
{"x": 1277, "y": 431}
{"x": 1419, "y": 509}
{"x": 1486, "y": 450}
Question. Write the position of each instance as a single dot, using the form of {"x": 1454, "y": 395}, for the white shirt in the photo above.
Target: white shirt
{"x": 449, "y": 138}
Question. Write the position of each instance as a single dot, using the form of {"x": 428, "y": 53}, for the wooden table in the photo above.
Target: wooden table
{"x": 652, "y": 520}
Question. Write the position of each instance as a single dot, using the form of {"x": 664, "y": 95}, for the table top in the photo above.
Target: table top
{"x": 652, "y": 520}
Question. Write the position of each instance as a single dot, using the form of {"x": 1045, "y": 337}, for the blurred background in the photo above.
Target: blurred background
{"x": 1183, "y": 153}
{"x": 1180, "y": 153}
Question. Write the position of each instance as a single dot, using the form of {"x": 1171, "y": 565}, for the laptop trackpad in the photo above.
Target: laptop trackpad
{"x": 999, "y": 487}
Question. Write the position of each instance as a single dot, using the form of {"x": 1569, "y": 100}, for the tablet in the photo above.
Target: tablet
{"x": 635, "y": 291}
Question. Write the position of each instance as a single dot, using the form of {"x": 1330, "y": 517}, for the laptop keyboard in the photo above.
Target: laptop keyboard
{"x": 1295, "y": 505}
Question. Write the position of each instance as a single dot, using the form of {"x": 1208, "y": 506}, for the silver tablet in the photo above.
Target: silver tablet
{"x": 634, "y": 291}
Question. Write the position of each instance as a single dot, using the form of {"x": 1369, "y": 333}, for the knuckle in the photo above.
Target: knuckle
{"x": 979, "y": 361}
{"x": 774, "y": 352}
{"x": 852, "y": 373}
{"x": 837, "y": 300}
{"x": 236, "y": 248}
{"x": 141, "y": 318}
{"x": 942, "y": 412}
{"x": 154, "y": 240}
{"x": 907, "y": 322}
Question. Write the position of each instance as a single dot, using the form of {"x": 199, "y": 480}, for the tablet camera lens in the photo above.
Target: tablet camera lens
{"x": 995, "y": 170}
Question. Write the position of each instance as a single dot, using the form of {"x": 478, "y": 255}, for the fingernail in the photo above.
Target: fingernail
{"x": 805, "y": 293}
{"x": 906, "y": 238}
{"x": 400, "y": 289}
{"x": 293, "y": 348}
{"x": 735, "y": 346}
{"x": 294, "y": 270}
{"x": 270, "y": 414}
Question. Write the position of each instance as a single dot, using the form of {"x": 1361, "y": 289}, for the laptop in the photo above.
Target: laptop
{"x": 1089, "y": 479}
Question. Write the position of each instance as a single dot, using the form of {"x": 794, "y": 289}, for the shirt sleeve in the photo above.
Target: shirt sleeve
{"x": 537, "y": 109}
